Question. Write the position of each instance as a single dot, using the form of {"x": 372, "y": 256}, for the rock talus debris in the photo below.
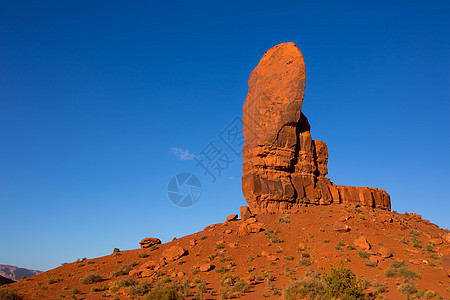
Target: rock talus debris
{"x": 284, "y": 168}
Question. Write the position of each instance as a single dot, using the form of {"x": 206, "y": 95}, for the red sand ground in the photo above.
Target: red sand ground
{"x": 242, "y": 255}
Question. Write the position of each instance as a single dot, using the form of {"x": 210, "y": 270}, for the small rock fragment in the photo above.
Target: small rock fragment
{"x": 384, "y": 252}
{"x": 232, "y": 218}
{"x": 340, "y": 227}
{"x": 206, "y": 267}
{"x": 362, "y": 243}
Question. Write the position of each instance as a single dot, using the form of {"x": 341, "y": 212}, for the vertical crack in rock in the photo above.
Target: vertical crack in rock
{"x": 284, "y": 168}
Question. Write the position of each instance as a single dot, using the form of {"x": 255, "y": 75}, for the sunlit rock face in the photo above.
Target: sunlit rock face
{"x": 284, "y": 168}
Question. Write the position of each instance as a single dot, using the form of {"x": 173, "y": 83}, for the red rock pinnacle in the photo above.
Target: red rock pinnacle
{"x": 284, "y": 168}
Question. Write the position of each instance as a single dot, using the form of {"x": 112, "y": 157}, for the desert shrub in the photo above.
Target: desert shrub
{"x": 342, "y": 283}
{"x": 127, "y": 282}
{"x": 408, "y": 289}
{"x": 398, "y": 269}
{"x": 184, "y": 287}
{"x": 326, "y": 241}
{"x": 54, "y": 280}
{"x": 139, "y": 289}
{"x": 408, "y": 274}
{"x": 285, "y": 219}
{"x": 429, "y": 248}
{"x": 202, "y": 287}
{"x": 203, "y": 237}
{"x": 311, "y": 286}
{"x": 351, "y": 247}
{"x": 219, "y": 246}
{"x": 339, "y": 246}
{"x": 391, "y": 272}
{"x": 124, "y": 270}
{"x": 304, "y": 254}
{"x": 414, "y": 232}
{"x": 142, "y": 255}
{"x": 198, "y": 296}
{"x": 416, "y": 243}
{"x": 224, "y": 294}
{"x": 91, "y": 278}
{"x": 240, "y": 286}
{"x": 221, "y": 270}
{"x": 76, "y": 291}
{"x": 272, "y": 238}
{"x": 101, "y": 288}
{"x": 9, "y": 294}
{"x": 434, "y": 256}
{"x": 430, "y": 294}
{"x": 363, "y": 254}
{"x": 371, "y": 264}
{"x": 303, "y": 262}
{"x": 116, "y": 251}
{"x": 397, "y": 264}
{"x": 379, "y": 288}
{"x": 289, "y": 257}
{"x": 164, "y": 293}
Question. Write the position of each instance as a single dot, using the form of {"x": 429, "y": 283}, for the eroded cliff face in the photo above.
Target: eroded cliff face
{"x": 284, "y": 168}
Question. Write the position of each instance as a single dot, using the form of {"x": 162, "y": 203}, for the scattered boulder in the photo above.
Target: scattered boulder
{"x": 173, "y": 253}
{"x": 251, "y": 220}
{"x": 148, "y": 268}
{"x": 245, "y": 213}
{"x": 232, "y": 218}
{"x": 145, "y": 273}
{"x": 384, "y": 252}
{"x": 148, "y": 242}
{"x": 340, "y": 227}
{"x": 233, "y": 245}
{"x": 250, "y": 228}
{"x": 446, "y": 237}
{"x": 153, "y": 264}
{"x": 192, "y": 242}
{"x": 362, "y": 243}
{"x": 386, "y": 219}
{"x": 436, "y": 241}
{"x": 271, "y": 257}
{"x": 206, "y": 267}
{"x": 177, "y": 274}
{"x": 228, "y": 231}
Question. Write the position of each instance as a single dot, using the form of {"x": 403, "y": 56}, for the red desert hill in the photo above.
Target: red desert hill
{"x": 298, "y": 235}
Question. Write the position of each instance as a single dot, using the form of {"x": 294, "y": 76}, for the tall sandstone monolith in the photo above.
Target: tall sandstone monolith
{"x": 284, "y": 168}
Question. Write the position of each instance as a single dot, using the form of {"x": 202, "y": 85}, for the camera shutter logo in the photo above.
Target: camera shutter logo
{"x": 184, "y": 189}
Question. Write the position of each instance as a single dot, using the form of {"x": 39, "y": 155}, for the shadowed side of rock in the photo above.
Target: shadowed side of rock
{"x": 284, "y": 168}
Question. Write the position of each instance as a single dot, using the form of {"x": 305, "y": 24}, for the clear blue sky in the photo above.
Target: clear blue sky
{"x": 95, "y": 96}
